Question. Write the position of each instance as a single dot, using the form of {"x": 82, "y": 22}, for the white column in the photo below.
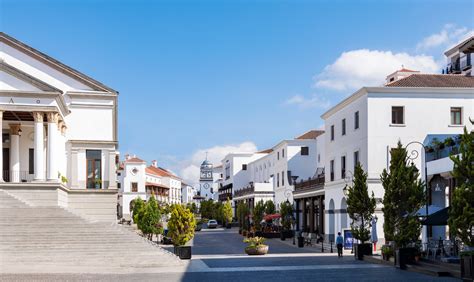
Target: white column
{"x": 52, "y": 146}
{"x": 39, "y": 146}
{"x": 1, "y": 146}
{"x": 14, "y": 153}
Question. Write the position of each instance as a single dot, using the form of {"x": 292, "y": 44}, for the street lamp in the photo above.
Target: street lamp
{"x": 413, "y": 156}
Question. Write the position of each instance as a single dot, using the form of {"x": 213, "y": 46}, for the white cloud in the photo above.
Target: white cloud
{"x": 448, "y": 36}
{"x": 358, "y": 68}
{"x": 189, "y": 170}
{"x": 315, "y": 101}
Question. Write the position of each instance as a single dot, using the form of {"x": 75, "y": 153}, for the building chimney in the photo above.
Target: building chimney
{"x": 154, "y": 163}
{"x": 127, "y": 156}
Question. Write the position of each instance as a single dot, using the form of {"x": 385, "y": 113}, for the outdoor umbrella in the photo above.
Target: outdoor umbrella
{"x": 439, "y": 218}
{"x": 373, "y": 236}
{"x": 431, "y": 209}
{"x": 271, "y": 216}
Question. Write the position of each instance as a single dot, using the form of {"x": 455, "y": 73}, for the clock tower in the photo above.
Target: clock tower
{"x": 206, "y": 180}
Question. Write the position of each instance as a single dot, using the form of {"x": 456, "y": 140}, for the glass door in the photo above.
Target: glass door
{"x": 94, "y": 169}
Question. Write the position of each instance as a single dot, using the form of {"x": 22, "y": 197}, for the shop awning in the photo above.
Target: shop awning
{"x": 439, "y": 218}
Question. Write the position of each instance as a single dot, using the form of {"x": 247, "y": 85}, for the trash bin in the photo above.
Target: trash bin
{"x": 300, "y": 242}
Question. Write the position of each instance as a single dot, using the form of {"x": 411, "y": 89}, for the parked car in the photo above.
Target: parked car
{"x": 212, "y": 223}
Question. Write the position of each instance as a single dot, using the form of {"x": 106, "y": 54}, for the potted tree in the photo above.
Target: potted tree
{"x": 387, "y": 252}
{"x": 461, "y": 212}
{"x": 360, "y": 207}
{"x": 255, "y": 246}
{"x": 286, "y": 213}
{"x": 227, "y": 211}
{"x": 403, "y": 197}
{"x": 149, "y": 223}
{"x": 181, "y": 229}
{"x": 257, "y": 216}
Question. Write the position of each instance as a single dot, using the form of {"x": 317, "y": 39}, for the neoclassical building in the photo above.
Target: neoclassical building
{"x": 59, "y": 133}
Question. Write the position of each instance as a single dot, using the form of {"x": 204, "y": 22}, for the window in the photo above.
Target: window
{"x": 332, "y": 132}
{"x": 244, "y": 167}
{"x": 282, "y": 178}
{"x": 319, "y": 158}
{"x": 397, "y": 115}
{"x": 134, "y": 187}
{"x": 118, "y": 185}
{"x": 278, "y": 180}
{"x": 344, "y": 127}
{"x": 278, "y": 155}
{"x": 356, "y": 158}
{"x": 94, "y": 168}
{"x": 31, "y": 161}
{"x": 343, "y": 167}
{"x": 356, "y": 120}
{"x": 456, "y": 115}
{"x": 283, "y": 153}
{"x": 304, "y": 151}
{"x": 332, "y": 170}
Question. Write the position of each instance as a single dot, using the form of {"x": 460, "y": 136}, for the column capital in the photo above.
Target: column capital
{"x": 15, "y": 129}
{"x": 38, "y": 116}
{"x": 53, "y": 117}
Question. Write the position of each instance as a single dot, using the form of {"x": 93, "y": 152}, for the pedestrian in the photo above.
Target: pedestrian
{"x": 339, "y": 242}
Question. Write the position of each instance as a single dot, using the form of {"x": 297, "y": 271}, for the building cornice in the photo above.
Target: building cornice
{"x": 61, "y": 104}
{"x": 53, "y": 63}
{"x": 395, "y": 90}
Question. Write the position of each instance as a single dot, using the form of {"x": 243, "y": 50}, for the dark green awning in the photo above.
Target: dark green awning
{"x": 438, "y": 218}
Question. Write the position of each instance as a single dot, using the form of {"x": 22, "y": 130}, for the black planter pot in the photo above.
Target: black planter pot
{"x": 258, "y": 234}
{"x": 361, "y": 250}
{"x": 467, "y": 268}
{"x": 404, "y": 256}
{"x": 183, "y": 252}
{"x": 282, "y": 235}
{"x": 240, "y": 231}
{"x": 228, "y": 226}
{"x": 300, "y": 242}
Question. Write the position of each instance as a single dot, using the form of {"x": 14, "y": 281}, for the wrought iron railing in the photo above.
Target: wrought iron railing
{"x": 314, "y": 183}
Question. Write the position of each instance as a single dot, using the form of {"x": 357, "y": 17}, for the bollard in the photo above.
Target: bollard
{"x": 331, "y": 246}
{"x": 322, "y": 246}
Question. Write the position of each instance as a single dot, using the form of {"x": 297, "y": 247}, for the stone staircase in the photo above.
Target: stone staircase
{"x": 53, "y": 240}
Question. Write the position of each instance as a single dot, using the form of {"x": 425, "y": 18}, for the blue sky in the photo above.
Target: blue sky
{"x": 212, "y": 75}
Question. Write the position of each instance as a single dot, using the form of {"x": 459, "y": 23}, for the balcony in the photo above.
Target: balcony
{"x": 465, "y": 62}
{"x": 310, "y": 185}
{"x": 224, "y": 196}
{"x": 453, "y": 67}
{"x": 254, "y": 188}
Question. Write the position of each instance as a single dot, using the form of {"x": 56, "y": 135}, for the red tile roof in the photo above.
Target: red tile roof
{"x": 267, "y": 151}
{"x": 156, "y": 185}
{"x": 160, "y": 172}
{"x": 135, "y": 160}
{"x": 312, "y": 134}
{"x": 434, "y": 80}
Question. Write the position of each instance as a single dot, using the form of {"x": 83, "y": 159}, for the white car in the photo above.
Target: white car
{"x": 212, "y": 223}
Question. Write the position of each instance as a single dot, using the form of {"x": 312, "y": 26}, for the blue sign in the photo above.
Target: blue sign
{"x": 348, "y": 239}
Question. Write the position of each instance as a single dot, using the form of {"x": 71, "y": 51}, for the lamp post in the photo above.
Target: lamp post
{"x": 413, "y": 156}
{"x": 348, "y": 179}
{"x": 346, "y": 193}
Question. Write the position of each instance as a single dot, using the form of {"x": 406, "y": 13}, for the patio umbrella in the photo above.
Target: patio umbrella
{"x": 271, "y": 216}
{"x": 439, "y": 218}
{"x": 373, "y": 235}
{"x": 431, "y": 209}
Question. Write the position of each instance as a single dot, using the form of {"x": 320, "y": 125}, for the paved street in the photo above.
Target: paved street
{"x": 218, "y": 256}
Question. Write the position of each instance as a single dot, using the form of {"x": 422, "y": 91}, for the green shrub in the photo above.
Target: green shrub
{"x": 181, "y": 225}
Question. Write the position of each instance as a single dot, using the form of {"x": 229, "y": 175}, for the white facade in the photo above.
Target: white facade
{"x": 59, "y": 126}
{"x": 187, "y": 193}
{"x": 136, "y": 179}
{"x": 425, "y": 111}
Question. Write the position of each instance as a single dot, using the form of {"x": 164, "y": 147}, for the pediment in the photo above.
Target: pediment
{"x": 13, "y": 79}
{"x": 44, "y": 68}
